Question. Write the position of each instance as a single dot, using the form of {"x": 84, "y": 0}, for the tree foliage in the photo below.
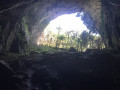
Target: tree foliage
{"x": 71, "y": 38}
{"x": 88, "y": 21}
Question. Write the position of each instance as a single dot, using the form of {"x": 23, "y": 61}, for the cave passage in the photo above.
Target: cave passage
{"x": 69, "y": 31}
{"x": 36, "y": 56}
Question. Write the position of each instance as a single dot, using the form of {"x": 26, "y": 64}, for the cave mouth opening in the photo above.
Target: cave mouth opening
{"x": 69, "y": 30}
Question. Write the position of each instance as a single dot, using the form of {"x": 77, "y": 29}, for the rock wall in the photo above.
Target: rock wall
{"x": 111, "y": 23}
{"x": 21, "y": 22}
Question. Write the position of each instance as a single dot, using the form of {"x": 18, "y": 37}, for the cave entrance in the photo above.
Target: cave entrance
{"x": 68, "y": 31}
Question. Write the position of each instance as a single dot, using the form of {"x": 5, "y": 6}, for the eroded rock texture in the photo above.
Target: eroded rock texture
{"x": 111, "y": 23}
{"x": 91, "y": 70}
{"x": 21, "y": 22}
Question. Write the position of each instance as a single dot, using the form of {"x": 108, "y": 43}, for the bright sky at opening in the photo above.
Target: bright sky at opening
{"x": 67, "y": 22}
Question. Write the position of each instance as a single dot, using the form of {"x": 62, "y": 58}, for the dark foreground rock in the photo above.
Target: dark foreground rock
{"x": 62, "y": 71}
{"x": 7, "y": 79}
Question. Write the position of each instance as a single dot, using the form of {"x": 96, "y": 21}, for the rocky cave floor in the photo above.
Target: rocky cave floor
{"x": 91, "y": 70}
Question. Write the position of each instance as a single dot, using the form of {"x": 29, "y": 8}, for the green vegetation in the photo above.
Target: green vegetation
{"x": 48, "y": 42}
{"x": 45, "y": 49}
{"x": 89, "y": 22}
{"x": 49, "y": 50}
{"x": 25, "y": 25}
{"x": 79, "y": 41}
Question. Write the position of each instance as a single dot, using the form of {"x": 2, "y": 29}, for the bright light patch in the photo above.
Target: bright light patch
{"x": 65, "y": 32}
{"x": 67, "y": 22}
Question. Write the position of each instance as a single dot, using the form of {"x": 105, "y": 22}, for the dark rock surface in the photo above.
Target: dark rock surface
{"x": 7, "y": 81}
{"x": 62, "y": 71}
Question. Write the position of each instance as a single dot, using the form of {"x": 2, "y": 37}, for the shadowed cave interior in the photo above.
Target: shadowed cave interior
{"x": 70, "y": 61}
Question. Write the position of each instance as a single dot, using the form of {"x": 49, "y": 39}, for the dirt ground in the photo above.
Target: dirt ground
{"x": 91, "y": 70}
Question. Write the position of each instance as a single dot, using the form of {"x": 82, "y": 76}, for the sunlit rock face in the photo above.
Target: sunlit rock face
{"x": 21, "y": 22}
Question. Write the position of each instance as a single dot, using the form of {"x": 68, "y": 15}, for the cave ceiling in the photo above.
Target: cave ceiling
{"x": 43, "y": 10}
{"x": 38, "y": 13}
